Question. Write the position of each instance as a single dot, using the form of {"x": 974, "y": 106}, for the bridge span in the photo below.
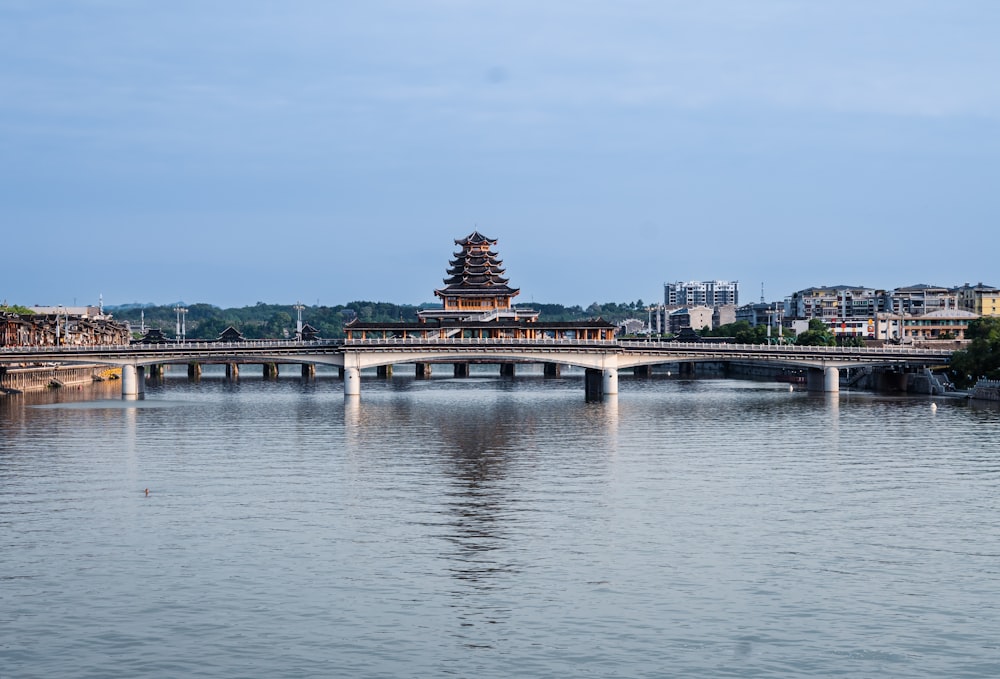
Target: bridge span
{"x": 603, "y": 357}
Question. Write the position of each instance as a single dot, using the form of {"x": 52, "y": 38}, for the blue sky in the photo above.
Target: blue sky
{"x": 325, "y": 152}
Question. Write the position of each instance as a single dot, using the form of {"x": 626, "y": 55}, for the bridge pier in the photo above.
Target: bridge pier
{"x": 552, "y": 369}
{"x": 232, "y": 371}
{"x": 507, "y": 370}
{"x": 132, "y": 382}
{"x": 155, "y": 371}
{"x": 823, "y": 379}
{"x": 609, "y": 381}
{"x": 270, "y": 371}
{"x": 423, "y": 371}
{"x": 461, "y": 370}
{"x": 598, "y": 384}
{"x": 384, "y": 371}
{"x": 309, "y": 371}
{"x": 352, "y": 382}
{"x": 194, "y": 371}
{"x": 593, "y": 385}
{"x": 642, "y": 371}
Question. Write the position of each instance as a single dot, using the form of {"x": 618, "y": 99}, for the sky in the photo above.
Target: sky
{"x": 324, "y": 152}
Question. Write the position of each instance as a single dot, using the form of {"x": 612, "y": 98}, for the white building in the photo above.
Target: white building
{"x": 701, "y": 293}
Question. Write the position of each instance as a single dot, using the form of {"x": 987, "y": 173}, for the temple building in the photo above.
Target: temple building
{"x": 476, "y": 288}
{"x": 477, "y": 303}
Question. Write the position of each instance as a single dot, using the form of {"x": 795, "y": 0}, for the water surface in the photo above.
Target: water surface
{"x": 492, "y": 527}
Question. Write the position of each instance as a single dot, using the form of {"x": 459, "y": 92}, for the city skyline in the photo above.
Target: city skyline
{"x": 323, "y": 153}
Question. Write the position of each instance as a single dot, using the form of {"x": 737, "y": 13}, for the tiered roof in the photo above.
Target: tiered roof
{"x": 476, "y": 270}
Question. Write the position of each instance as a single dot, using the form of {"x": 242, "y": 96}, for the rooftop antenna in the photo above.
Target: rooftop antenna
{"x": 762, "y": 292}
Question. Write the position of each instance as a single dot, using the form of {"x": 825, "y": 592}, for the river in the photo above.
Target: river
{"x": 496, "y": 527}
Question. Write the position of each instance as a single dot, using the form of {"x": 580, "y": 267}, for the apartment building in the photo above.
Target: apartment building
{"x": 701, "y": 293}
{"x": 979, "y": 299}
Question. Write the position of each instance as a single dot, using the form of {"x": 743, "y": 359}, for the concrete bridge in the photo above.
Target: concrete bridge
{"x": 600, "y": 358}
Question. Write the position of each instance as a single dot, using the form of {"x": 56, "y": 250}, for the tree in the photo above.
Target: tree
{"x": 741, "y": 332}
{"x": 852, "y": 341}
{"x": 818, "y": 335}
{"x": 982, "y": 357}
{"x": 279, "y": 324}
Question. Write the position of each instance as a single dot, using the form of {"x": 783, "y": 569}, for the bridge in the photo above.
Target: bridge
{"x": 603, "y": 358}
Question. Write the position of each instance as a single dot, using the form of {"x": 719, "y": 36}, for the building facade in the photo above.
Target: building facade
{"x": 762, "y": 313}
{"x": 693, "y": 317}
{"x": 917, "y": 300}
{"x": 833, "y": 303}
{"x": 701, "y": 293}
{"x": 979, "y": 299}
{"x": 61, "y": 329}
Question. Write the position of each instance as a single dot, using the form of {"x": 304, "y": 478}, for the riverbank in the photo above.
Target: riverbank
{"x": 16, "y": 380}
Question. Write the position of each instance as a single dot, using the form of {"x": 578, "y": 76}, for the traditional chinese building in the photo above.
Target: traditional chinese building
{"x": 51, "y": 329}
{"x": 477, "y": 303}
{"x": 476, "y": 288}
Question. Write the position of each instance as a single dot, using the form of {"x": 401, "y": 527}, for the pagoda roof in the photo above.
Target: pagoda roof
{"x": 488, "y": 290}
{"x": 472, "y": 259}
{"x": 230, "y": 334}
{"x": 475, "y": 238}
{"x": 475, "y": 279}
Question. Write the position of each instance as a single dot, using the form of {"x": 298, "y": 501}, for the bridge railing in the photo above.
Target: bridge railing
{"x": 172, "y": 346}
{"x": 278, "y": 345}
{"x": 639, "y": 345}
{"x": 782, "y": 348}
{"x": 475, "y": 341}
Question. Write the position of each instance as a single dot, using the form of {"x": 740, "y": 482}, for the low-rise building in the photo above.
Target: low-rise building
{"x": 42, "y": 329}
{"x": 761, "y": 313}
{"x": 979, "y": 299}
{"x": 917, "y": 300}
{"x": 837, "y": 302}
{"x": 939, "y": 324}
{"x": 696, "y": 318}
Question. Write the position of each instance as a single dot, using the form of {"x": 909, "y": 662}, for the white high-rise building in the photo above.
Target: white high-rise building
{"x": 701, "y": 293}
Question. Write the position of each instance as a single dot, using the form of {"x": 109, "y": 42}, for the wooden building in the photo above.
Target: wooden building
{"x": 477, "y": 303}
{"x": 18, "y": 330}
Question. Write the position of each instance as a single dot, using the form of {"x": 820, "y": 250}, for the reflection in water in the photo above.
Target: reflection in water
{"x": 487, "y": 444}
{"x": 497, "y": 528}
{"x": 473, "y": 445}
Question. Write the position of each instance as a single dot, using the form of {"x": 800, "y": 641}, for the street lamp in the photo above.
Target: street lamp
{"x": 58, "y": 311}
{"x": 298, "y": 324}
{"x": 181, "y": 331}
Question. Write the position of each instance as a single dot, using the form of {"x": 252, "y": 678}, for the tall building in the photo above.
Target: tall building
{"x": 701, "y": 293}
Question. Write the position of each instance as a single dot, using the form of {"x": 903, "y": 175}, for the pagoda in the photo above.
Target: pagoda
{"x": 476, "y": 304}
{"x": 476, "y": 288}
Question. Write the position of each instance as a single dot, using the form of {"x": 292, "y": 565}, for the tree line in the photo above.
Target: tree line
{"x": 260, "y": 321}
